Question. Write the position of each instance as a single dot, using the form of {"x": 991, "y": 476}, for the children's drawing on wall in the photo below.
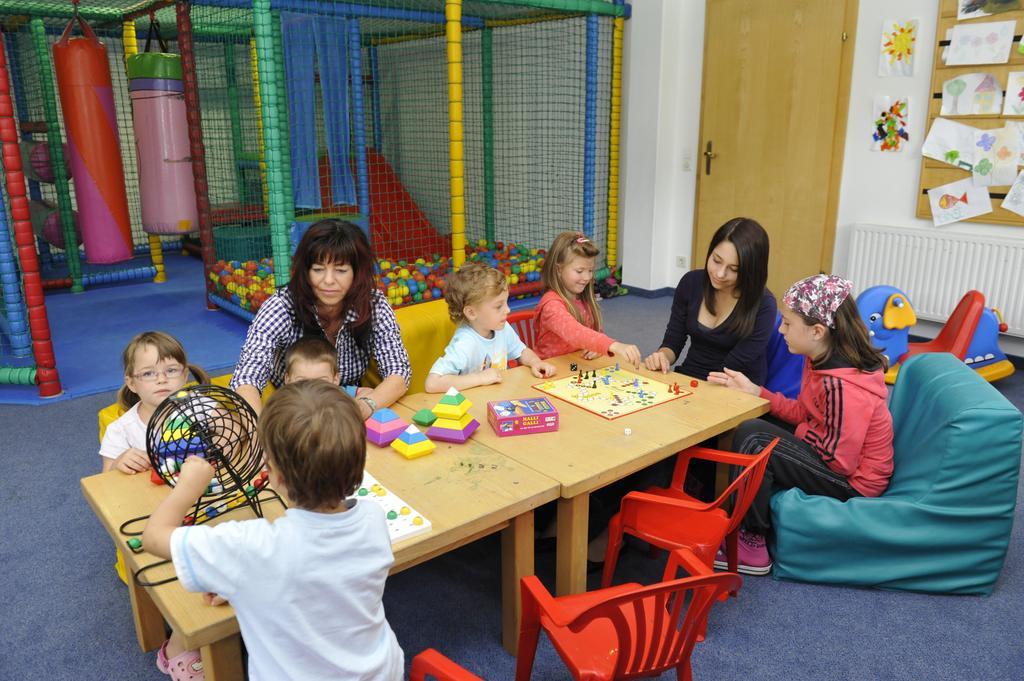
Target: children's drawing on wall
{"x": 1013, "y": 105}
{"x": 897, "y": 53}
{"x": 891, "y": 132}
{"x": 958, "y": 200}
{"x": 987, "y": 43}
{"x": 950, "y": 142}
{"x": 1014, "y": 201}
{"x": 972, "y": 9}
{"x": 1018, "y": 126}
{"x": 972, "y": 94}
{"x": 996, "y": 153}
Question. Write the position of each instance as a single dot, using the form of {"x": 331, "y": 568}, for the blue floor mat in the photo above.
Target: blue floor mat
{"x": 90, "y": 330}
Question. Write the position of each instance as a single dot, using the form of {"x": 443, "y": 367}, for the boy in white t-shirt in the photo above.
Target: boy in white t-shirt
{"x": 482, "y": 346}
{"x": 306, "y": 588}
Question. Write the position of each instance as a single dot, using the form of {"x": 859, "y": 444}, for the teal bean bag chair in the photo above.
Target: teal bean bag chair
{"x": 943, "y": 525}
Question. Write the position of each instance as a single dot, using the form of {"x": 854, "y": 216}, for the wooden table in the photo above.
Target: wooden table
{"x": 589, "y": 451}
{"x": 502, "y": 494}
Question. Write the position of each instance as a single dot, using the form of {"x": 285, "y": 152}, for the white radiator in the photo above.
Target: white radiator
{"x": 936, "y": 269}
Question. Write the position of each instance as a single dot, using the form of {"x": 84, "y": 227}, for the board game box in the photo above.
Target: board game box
{"x": 611, "y": 392}
{"x": 403, "y": 520}
{"x": 522, "y": 417}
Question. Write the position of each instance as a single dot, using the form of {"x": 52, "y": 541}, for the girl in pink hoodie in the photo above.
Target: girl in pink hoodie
{"x": 839, "y": 439}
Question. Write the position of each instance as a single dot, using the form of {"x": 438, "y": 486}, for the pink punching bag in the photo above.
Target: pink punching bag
{"x": 166, "y": 188}
{"x": 87, "y": 102}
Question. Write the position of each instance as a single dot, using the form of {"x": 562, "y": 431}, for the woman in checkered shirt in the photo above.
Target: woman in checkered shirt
{"x": 332, "y": 293}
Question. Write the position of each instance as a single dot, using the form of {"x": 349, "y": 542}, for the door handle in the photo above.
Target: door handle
{"x": 708, "y": 155}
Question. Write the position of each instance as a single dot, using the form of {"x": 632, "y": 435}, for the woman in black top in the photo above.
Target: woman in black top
{"x": 724, "y": 309}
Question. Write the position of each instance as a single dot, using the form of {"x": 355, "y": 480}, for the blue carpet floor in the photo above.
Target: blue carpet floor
{"x": 66, "y": 616}
{"x": 90, "y": 329}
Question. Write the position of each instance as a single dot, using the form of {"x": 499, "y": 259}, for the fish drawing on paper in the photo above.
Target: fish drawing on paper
{"x": 947, "y": 201}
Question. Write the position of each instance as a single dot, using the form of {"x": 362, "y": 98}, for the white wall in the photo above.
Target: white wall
{"x": 663, "y": 51}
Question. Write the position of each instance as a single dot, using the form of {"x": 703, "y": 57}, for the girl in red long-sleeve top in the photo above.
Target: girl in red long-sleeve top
{"x": 839, "y": 440}
{"x": 568, "y": 317}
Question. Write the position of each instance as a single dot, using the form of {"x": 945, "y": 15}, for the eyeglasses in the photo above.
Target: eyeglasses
{"x": 151, "y": 375}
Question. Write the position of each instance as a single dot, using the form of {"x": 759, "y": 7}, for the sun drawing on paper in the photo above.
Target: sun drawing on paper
{"x": 899, "y": 45}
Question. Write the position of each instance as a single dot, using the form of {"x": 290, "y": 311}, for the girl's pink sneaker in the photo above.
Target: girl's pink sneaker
{"x": 188, "y": 666}
{"x": 753, "y": 555}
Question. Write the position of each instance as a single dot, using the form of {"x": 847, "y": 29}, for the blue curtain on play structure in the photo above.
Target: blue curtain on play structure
{"x": 331, "y": 53}
{"x": 300, "y": 76}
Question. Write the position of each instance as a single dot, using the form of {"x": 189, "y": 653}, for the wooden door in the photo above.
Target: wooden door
{"x": 775, "y": 96}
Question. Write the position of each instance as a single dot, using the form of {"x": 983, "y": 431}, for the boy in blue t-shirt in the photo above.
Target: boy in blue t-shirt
{"x": 484, "y": 343}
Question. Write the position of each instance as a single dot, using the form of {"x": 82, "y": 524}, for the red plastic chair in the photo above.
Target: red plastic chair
{"x": 668, "y": 518}
{"x": 433, "y": 664}
{"x": 624, "y": 632}
{"x": 522, "y": 322}
{"x": 958, "y": 330}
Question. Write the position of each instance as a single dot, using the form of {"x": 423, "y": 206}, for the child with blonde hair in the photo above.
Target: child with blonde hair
{"x": 568, "y": 316}
{"x": 155, "y": 366}
{"x": 484, "y": 342}
{"x": 307, "y": 588}
{"x": 838, "y": 442}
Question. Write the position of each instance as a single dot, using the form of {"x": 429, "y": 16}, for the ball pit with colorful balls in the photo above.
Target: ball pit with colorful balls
{"x": 248, "y": 284}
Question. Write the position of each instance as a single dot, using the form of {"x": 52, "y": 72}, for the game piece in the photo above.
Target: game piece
{"x": 522, "y": 417}
{"x": 411, "y": 443}
{"x": 135, "y": 544}
{"x": 403, "y": 521}
{"x": 693, "y": 383}
{"x": 616, "y": 394}
{"x": 627, "y": 431}
{"x": 424, "y": 417}
{"x": 454, "y": 422}
{"x": 616, "y": 366}
{"x": 573, "y": 366}
{"x": 383, "y": 426}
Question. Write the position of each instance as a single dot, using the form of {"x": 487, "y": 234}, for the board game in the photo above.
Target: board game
{"x": 611, "y": 392}
{"x": 403, "y": 520}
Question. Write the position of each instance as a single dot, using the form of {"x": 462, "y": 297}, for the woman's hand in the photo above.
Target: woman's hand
{"x": 658, "y": 361}
{"x": 132, "y": 461}
{"x": 735, "y": 380}
{"x": 628, "y": 352}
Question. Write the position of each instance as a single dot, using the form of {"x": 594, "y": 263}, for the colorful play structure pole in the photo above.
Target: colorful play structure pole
{"x": 156, "y": 251}
{"x": 258, "y": 104}
{"x": 614, "y": 133}
{"x": 282, "y": 111}
{"x": 355, "y": 65}
{"x": 274, "y": 139}
{"x": 236, "y": 117}
{"x": 375, "y": 98}
{"x": 456, "y": 161}
{"x": 53, "y": 139}
{"x": 590, "y": 126}
{"x": 45, "y": 371}
{"x": 195, "y": 139}
{"x": 487, "y": 107}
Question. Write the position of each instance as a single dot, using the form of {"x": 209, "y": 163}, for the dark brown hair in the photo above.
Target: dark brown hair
{"x": 565, "y": 247}
{"x": 334, "y": 241}
{"x": 167, "y": 347}
{"x": 751, "y": 243}
{"x": 311, "y": 349}
{"x": 314, "y": 436}
{"x": 849, "y": 338}
{"x": 474, "y": 283}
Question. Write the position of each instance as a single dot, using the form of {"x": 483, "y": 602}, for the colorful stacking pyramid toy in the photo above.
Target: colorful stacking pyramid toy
{"x": 384, "y": 426}
{"x": 411, "y": 443}
{"x": 178, "y": 441}
{"x": 454, "y": 422}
